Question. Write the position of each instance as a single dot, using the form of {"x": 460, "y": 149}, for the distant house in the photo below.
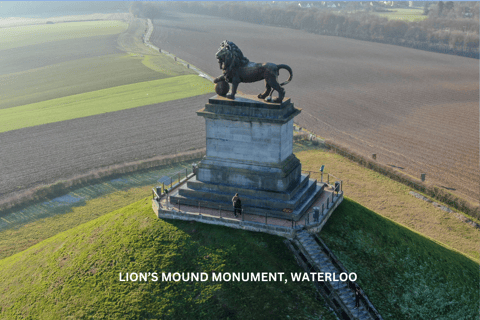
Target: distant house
{"x": 308, "y": 5}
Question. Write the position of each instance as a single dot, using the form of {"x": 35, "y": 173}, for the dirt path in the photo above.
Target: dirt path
{"x": 146, "y": 40}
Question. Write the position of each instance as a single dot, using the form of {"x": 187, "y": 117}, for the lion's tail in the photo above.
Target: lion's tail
{"x": 284, "y": 66}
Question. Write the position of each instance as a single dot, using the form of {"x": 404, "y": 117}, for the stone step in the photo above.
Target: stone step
{"x": 197, "y": 185}
{"x": 272, "y": 207}
{"x": 360, "y": 314}
{"x": 323, "y": 262}
{"x": 343, "y": 287}
{"x": 347, "y": 298}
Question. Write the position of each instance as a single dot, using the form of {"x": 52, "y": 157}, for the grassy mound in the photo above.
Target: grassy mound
{"x": 103, "y": 101}
{"x": 75, "y": 274}
{"x": 406, "y": 275}
{"x": 392, "y": 200}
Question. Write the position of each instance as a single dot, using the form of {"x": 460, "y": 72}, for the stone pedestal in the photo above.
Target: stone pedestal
{"x": 250, "y": 152}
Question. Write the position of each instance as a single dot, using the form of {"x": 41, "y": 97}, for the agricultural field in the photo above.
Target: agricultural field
{"x": 91, "y": 58}
{"x": 15, "y": 37}
{"x": 404, "y": 14}
{"x": 64, "y": 79}
{"x": 23, "y": 59}
{"x": 43, "y": 154}
{"x": 417, "y": 110}
{"x": 103, "y": 101}
{"x": 84, "y": 70}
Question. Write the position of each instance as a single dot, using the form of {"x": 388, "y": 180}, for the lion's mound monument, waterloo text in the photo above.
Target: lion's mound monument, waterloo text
{"x": 250, "y": 152}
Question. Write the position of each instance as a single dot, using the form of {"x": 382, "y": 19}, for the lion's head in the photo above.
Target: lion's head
{"x": 230, "y": 56}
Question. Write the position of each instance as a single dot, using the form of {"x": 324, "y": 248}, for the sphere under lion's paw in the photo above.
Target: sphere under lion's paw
{"x": 222, "y": 88}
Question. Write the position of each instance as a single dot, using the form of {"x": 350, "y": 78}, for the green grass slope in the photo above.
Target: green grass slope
{"x": 15, "y": 37}
{"x": 84, "y": 75}
{"x": 392, "y": 200}
{"x": 103, "y": 101}
{"x": 75, "y": 274}
{"x": 406, "y": 275}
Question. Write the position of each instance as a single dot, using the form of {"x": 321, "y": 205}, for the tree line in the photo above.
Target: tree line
{"x": 450, "y": 27}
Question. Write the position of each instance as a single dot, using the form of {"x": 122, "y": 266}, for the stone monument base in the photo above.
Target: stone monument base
{"x": 250, "y": 152}
{"x": 291, "y": 204}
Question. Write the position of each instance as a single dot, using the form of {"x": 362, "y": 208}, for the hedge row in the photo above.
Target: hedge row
{"x": 61, "y": 187}
{"x": 457, "y": 36}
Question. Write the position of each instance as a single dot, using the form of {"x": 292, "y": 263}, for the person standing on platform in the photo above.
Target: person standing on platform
{"x": 237, "y": 205}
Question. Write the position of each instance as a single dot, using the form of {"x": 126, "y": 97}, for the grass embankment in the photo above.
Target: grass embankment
{"x": 15, "y": 37}
{"x": 82, "y": 75}
{"x": 76, "y": 273}
{"x": 406, "y": 275}
{"x": 18, "y": 239}
{"x": 38, "y": 221}
{"x": 391, "y": 199}
{"x": 103, "y": 101}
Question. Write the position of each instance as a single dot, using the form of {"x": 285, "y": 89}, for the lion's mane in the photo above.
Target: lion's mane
{"x": 235, "y": 58}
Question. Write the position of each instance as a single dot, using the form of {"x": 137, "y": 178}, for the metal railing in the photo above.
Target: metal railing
{"x": 310, "y": 217}
{"x": 174, "y": 179}
{"x": 223, "y": 211}
{"x": 328, "y": 176}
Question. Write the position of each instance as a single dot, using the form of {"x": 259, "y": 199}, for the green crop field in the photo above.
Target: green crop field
{"x": 15, "y": 37}
{"x": 403, "y": 14}
{"x": 82, "y": 75}
{"x": 102, "y": 101}
{"x": 406, "y": 275}
{"x": 76, "y": 274}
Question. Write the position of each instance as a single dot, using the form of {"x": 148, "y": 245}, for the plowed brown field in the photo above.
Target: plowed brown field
{"x": 46, "y": 153}
{"x": 417, "y": 110}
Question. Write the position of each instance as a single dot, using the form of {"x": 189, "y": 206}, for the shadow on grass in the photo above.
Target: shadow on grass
{"x": 406, "y": 275}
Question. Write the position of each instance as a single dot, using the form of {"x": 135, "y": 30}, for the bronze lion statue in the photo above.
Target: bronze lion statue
{"x": 237, "y": 68}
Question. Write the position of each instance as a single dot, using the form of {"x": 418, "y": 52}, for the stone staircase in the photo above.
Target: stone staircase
{"x": 338, "y": 292}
